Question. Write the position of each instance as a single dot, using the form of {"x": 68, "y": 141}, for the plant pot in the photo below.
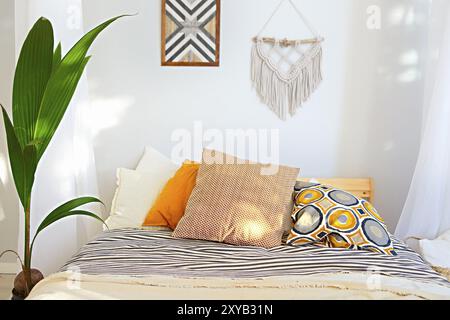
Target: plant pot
{"x": 20, "y": 291}
{"x": 16, "y": 296}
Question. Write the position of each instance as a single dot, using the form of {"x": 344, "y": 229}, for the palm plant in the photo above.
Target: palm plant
{"x": 44, "y": 85}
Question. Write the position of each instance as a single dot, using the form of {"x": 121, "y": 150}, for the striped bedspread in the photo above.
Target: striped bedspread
{"x": 141, "y": 253}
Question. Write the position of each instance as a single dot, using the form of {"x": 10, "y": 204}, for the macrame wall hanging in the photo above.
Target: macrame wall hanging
{"x": 286, "y": 72}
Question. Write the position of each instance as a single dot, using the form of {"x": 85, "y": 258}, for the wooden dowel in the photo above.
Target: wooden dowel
{"x": 286, "y": 42}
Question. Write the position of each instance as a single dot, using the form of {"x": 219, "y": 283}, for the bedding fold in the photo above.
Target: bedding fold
{"x": 353, "y": 286}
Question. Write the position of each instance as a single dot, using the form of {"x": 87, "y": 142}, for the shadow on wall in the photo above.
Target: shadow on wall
{"x": 391, "y": 55}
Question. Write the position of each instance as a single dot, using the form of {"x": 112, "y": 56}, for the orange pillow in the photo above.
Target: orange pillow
{"x": 169, "y": 207}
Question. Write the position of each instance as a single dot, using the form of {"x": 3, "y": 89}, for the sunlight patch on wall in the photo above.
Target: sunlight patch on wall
{"x": 4, "y": 176}
{"x": 401, "y": 15}
{"x": 410, "y": 75}
{"x": 63, "y": 172}
{"x": 107, "y": 112}
{"x": 396, "y": 15}
{"x": 4, "y": 180}
{"x": 2, "y": 214}
{"x": 410, "y": 17}
{"x": 410, "y": 57}
{"x": 82, "y": 158}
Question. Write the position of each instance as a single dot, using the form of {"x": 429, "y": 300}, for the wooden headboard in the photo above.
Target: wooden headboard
{"x": 362, "y": 188}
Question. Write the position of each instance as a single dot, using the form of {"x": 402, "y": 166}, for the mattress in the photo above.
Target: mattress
{"x": 152, "y": 264}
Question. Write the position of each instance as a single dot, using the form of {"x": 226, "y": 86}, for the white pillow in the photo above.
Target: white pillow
{"x": 138, "y": 189}
{"x": 153, "y": 161}
{"x": 135, "y": 194}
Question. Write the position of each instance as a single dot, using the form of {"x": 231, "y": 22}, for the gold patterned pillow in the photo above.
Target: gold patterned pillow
{"x": 334, "y": 218}
{"x": 237, "y": 204}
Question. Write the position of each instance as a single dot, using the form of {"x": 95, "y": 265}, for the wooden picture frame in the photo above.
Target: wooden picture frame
{"x": 190, "y": 33}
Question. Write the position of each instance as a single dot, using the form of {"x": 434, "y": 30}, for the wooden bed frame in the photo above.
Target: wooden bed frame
{"x": 362, "y": 188}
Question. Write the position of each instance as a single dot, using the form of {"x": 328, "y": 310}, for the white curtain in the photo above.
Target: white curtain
{"x": 67, "y": 169}
{"x": 426, "y": 214}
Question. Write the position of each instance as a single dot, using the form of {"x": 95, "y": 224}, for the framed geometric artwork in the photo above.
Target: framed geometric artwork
{"x": 190, "y": 33}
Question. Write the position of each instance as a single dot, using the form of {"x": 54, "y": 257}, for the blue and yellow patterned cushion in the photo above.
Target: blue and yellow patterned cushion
{"x": 337, "y": 219}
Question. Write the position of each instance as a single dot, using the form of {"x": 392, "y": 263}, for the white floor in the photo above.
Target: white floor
{"x": 6, "y": 284}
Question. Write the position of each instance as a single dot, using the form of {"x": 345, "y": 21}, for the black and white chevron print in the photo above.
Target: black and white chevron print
{"x": 191, "y": 36}
{"x": 144, "y": 253}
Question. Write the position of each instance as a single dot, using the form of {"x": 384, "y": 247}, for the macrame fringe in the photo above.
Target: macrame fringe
{"x": 286, "y": 95}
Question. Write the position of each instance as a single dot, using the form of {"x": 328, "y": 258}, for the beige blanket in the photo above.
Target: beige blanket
{"x": 73, "y": 286}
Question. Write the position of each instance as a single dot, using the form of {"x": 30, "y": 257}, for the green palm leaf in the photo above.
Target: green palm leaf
{"x": 61, "y": 216}
{"x": 73, "y": 204}
{"x": 16, "y": 159}
{"x": 61, "y": 88}
{"x": 67, "y": 210}
{"x": 44, "y": 84}
{"x": 54, "y": 218}
{"x": 32, "y": 74}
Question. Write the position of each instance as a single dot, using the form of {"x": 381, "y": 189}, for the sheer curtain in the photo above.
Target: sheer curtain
{"x": 426, "y": 214}
{"x": 67, "y": 170}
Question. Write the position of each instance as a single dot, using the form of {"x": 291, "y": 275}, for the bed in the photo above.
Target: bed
{"x": 143, "y": 264}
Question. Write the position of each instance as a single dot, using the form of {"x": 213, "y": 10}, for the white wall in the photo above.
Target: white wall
{"x": 363, "y": 121}
{"x": 9, "y": 205}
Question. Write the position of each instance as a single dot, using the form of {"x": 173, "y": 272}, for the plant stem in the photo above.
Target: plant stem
{"x": 27, "y": 255}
